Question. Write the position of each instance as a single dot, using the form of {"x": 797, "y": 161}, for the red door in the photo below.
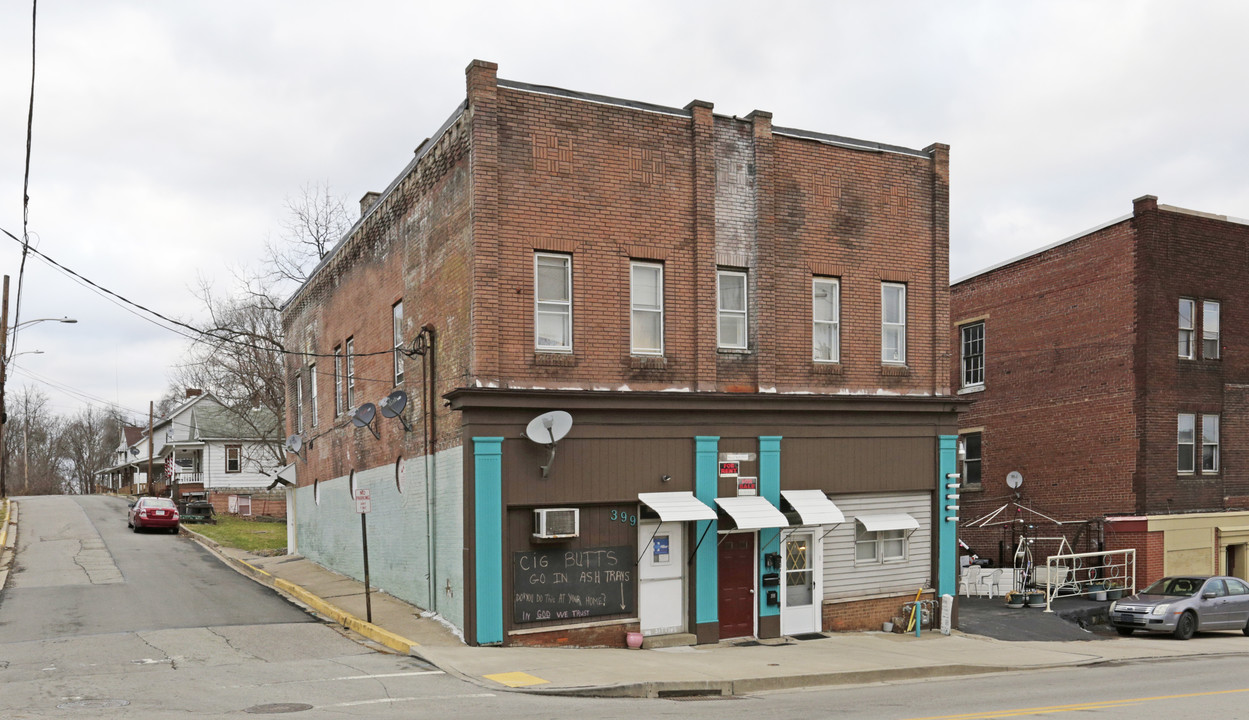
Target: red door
{"x": 737, "y": 585}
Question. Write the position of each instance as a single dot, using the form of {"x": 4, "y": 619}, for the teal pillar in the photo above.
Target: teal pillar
{"x": 488, "y": 550}
{"x": 706, "y": 567}
{"x": 947, "y": 519}
{"x": 770, "y": 490}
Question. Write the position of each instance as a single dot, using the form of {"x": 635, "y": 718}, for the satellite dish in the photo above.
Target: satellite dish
{"x": 295, "y": 443}
{"x": 1014, "y": 479}
{"x": 393, "y": 404}
{"x": 549, "y": 428}
{"x": 363, "y": 417}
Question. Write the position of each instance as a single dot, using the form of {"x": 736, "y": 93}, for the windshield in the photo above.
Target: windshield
{"x": 1177, "y": 586}
{"x": 158, "y": 502}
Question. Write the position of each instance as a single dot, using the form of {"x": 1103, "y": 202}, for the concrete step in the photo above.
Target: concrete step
{"x": 654, "y": 642}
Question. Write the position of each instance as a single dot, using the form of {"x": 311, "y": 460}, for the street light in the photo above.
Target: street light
{"x": 24, "y": 323}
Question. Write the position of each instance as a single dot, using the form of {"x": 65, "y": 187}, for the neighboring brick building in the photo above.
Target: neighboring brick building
{"x": 728, "y": 311}
{"x": 1112, "y": 370}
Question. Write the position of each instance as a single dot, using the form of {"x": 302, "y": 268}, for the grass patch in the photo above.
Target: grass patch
{"x": 250, "y": 535}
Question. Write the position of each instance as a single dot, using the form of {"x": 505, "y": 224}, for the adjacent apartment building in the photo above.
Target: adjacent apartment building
{"x": 605, "y": 366}
{"x": 1111, "y": 371}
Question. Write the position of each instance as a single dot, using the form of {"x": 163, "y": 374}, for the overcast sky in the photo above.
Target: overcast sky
{"x": 168, "y": 135}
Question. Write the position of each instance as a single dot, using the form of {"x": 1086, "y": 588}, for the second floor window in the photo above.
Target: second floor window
{"x": 825, "y": 320}
{"x": 893, "y": 323}
{"x": 1209, "y": 443}
{"x": 552, "y": 281}
{"x": 1186, "y": 328}
{"x": 971, "y": 341}
{"x": 396, "y": 326}
{"x": 971, "y": 459}
{"x": 351, "y": 373}
{"x": 1210, "y": 330}
{"x": 1185, "y": 438}
{"x": 646, "y": 286}
{"x": 731, "y": 309}
{"x": 312, "y": 394}
{"x": 234, "y": 458}
{"x": 338, "y": 381}
{"x": 299, "y": 403}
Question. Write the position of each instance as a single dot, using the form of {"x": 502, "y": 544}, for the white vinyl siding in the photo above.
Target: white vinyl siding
{"x": 846, "y": 580}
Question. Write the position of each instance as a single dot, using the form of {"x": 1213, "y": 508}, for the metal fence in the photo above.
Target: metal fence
{"x": 1090, "y": 574}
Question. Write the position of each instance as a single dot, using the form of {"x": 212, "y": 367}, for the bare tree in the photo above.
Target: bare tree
{"x": 317, "y": 220}
{"x": 34, "y": 462}
{"x": 86, "y": 444}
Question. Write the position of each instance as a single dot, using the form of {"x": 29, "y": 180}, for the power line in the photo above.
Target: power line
{"x": 30, "y": 123}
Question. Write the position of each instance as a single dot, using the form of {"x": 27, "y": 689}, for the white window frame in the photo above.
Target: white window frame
{"x": 897, "y": 326}
{"x": 832, "y": 288}
{"x": 396, "y": 328}
{"x": 1186, "y": 421}
{"x": 299, "y": 403}
{"x": 640, "y": 310}
{"x": 1186, "y": 337}
{"x": 237, "y": 452}
{"x": 338, "y": 381}
{"x": 978, "y": 460}
{"x": 741, "y": 315}
{"x": 552, "y": 308}
{"x": 312, "y": 394}
{"x": 350, "y": 350}
{"x": 878, "y": 540}
{"x": 1208, "y": 336}
{"x": 1210, "y": 440}
{"x": 971, "y": 364}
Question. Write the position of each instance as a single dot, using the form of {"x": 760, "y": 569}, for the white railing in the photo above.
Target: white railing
{"x": 1086, "y": 574}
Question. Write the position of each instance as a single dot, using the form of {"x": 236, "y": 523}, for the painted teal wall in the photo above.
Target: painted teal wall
{"x": 706, "y": 575}
{"x": 770, "y": 490}
{"x": 947, "y": 520}
{"x": 488, "y": 547}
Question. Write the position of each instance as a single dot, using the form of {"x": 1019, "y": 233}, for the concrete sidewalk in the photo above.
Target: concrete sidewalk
{"x": 727, "y": 668}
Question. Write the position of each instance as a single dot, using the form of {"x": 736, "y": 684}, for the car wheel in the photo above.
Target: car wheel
{"x": 136, "y": 528}
{"x": 1245, "y": 629}
{"x": 1187, "y": 625}
{"x": 173, "y": 531}
{"x": 1124, "y": 631}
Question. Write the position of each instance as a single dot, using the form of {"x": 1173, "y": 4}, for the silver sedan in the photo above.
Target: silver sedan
{"x": 1182, "y": 605}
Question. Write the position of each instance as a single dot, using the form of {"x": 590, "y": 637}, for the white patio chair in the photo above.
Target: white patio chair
{"x": 971, "y": 578}
{"x": 992, "y": 582}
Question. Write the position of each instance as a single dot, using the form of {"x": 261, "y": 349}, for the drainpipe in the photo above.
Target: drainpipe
{"x": 424, "y": 346}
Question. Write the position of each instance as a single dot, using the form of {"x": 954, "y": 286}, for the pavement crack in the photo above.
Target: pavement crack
{"x": 165, "y": 657}
{"x": 231, "y": 645}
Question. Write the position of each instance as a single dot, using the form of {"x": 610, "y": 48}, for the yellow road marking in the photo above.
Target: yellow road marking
{"x": 1096, "y": 705}
{"x": 516, "y": 679}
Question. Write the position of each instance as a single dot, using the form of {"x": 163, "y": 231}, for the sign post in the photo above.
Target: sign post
{"x": 364, "y": 504}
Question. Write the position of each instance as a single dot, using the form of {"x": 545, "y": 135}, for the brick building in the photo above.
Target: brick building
{"x": 1111, "y": 370}
{"x": 738, "y": 322}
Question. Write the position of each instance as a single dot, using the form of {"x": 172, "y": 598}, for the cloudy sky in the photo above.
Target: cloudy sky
{"x": 168, "y": 135}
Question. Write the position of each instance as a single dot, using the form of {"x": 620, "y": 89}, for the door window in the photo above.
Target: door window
{"x": 799, "y": 577}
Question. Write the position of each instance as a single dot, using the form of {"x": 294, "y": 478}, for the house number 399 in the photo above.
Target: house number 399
{"x": 624, "y": 517}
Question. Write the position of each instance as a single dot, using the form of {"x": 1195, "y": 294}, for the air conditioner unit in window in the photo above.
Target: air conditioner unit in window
{"x": 555, "y": 523}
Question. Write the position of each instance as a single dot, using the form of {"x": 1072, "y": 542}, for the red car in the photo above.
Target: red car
{"x": 153, "y": 512}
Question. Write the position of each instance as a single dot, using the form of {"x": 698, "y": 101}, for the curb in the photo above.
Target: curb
{"x": 313, "y": 602}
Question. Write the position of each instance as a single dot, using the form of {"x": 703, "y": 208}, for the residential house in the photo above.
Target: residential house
{"x": 1111, "y": 372}
{"x": 607, "y": 366}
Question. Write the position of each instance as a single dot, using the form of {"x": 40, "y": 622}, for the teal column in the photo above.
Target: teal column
{"x": 706, "y": 569}
{"x": 770, "y": 490}
{"x": 947, "y": 520}
{"x": 488, "y": 550}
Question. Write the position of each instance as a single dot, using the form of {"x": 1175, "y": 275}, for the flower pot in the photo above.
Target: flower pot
{"x": 1036, "y": 599}
{"x": 1114, "y": 593}
{"x": 886, "y": 627}
{"x": 634, "y": 640}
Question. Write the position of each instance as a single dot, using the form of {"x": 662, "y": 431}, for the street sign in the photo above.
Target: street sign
{"x": 364, "y": 501}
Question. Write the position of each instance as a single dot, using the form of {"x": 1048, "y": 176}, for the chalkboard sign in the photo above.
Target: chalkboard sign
{"x": 573, "y": 584}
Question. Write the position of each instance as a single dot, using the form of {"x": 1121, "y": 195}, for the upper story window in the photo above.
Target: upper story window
{"x": 299, "y": 403}
{"x": 971, "y": 344}
{"x": 338, "y": 380}
{"x": 552, "y": 281}
{"x": 312, "y": 394}
{"x": 731, "y": 309}
{"x": 1186, "y": 328}
{"x": 1185, "y": 438}
{"x": 1209, "y": 443}
{"x": 646, "y": 288}
{"x": 825, "y": 320}
{"x": 970, "y": 445}
{"x": 396, "y": 327}
{"x": 351, "y": 373}
{"x": 1210, "y": 330}
{"x": 234, "y": 458}
{"x": 893, "y": 323}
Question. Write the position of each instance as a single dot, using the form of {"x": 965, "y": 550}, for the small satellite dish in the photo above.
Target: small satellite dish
{"x": 295, "y": 443}
{"x": 549, "y": 428}
{"x": 393, "y": 404}
{"x": 363, "y": 417}
{"x": 1014, "y": 479}
{"x": 134, "y": 451}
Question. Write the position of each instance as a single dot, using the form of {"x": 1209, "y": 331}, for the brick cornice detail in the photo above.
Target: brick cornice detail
{"x": 554, "y": 245}
{"x": 895, "y": 276}
{"x": 826, "y": 268}
{"x": 646, "y": 252}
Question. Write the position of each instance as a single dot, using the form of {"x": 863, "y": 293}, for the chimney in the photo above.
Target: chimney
{"x": 368, "y": 201}
{"x": 193, "y": 392}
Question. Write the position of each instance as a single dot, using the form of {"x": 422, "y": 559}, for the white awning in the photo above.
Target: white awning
{"x": 751, "y": 512}
{"x": 813, "y": 506}
{"x": 881, "y": 523}
{"x": 676, "y": 506}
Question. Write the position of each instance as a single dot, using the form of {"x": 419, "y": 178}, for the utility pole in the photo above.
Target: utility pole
{"x": 151, "y": 486}
{"x": 4, "y": 348}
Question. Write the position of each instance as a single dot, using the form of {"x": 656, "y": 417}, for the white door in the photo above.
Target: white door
{"x": 661, "y": 578}
{"x": 800, "y": 591}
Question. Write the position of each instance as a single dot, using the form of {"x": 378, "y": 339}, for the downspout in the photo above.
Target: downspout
{"x": 424, "y": 346}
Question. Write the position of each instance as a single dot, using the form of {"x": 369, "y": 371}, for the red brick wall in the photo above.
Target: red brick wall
{"x": 1059, "y": 389}
{"x": 865, "y": 614}
{"x": 600, "y": 636}
{"x": 1150, "y": 552}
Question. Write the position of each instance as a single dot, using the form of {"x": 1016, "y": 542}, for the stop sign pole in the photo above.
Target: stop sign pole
{"x": 364, "y": 504}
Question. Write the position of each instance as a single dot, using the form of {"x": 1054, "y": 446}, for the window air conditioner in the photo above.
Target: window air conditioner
{"x": 554, "y": 523}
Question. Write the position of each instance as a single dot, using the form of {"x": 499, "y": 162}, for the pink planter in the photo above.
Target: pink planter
{"x": 634, "y": 639}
